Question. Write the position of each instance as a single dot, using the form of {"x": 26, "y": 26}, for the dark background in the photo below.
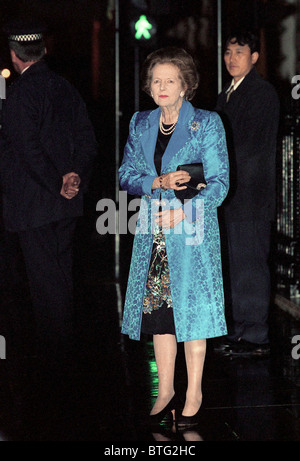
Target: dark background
{"x": 188, "y": 23}
{"x": 246, "y": 400}
{"x": 81, "y": 47}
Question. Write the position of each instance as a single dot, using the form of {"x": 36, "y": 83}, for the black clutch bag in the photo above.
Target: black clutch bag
{"x": 195, "y": 184}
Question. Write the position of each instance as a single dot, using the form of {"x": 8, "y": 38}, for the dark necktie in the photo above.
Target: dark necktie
{"x": 229, "y": 93}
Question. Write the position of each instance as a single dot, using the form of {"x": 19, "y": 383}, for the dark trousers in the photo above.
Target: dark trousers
{"x": 249, "y": 287}
{"x": 48, "y": 258}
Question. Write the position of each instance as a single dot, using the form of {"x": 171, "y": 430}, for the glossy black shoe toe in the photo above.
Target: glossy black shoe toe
{"x": 225, "y": 346}
{"x": 184, "y": 422}
{"x": 246, "y": 349}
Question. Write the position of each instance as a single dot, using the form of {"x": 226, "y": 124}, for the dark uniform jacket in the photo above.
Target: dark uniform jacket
{"x": 46, "y": 134}
{"x": 251, "y": 121}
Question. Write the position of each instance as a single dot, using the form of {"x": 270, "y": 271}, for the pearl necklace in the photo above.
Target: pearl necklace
{"x": 166, "y": 131}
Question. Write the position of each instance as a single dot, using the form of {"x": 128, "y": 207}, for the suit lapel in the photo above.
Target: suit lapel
{"x": 235, "y": 105}
{"x": 149, "y": 137}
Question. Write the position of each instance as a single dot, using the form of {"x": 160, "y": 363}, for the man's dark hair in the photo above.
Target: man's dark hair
{"x": 245, "y": 37}
{"x": 28, "y": 51}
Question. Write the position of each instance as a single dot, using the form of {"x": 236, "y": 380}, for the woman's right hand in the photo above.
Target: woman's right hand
{"x": 173, "y": 180}
{"x": 168, "y": 219}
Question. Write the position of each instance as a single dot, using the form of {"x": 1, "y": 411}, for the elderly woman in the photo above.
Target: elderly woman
{"x": 175, "y": 288}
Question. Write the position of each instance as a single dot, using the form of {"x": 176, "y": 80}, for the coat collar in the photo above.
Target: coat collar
{"x": 252, "y": 76}
{"x": 178, "y": 138}
{"x": 37, "y": 67}
{"x": 232, "y": 108}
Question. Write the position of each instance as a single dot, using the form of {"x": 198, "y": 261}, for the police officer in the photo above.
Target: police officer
{"x": 46, "y": 156}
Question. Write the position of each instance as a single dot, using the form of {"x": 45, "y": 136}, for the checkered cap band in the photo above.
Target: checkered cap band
{"x": 26, "y": 37}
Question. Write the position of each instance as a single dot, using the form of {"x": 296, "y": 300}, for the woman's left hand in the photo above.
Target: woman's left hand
{"x": 168, "y": 219}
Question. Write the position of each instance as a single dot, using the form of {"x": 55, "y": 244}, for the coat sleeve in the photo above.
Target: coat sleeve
{"x": 214, "y": 156}
{"x": 35, "y": 109}
{"x": 26, "y": 142}
{"x": 85, "y": 144}
{"x": 254, "y": 141}
{"x": 251, "y": 125}
{"x": 133, "y": 170}
{"x": 258, "y": 124}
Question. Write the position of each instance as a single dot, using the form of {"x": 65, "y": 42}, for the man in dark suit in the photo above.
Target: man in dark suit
{"x": 46, "y": 154}
{"x": 249, "y": 108}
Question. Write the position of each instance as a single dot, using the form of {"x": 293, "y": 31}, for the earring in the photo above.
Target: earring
{"x": 182, "y": 94}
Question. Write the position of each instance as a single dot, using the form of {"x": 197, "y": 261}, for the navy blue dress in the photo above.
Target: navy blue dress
{"x": 157, "y": 312}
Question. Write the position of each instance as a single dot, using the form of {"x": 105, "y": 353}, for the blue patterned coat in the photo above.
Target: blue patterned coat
{"x": 193, "y": 246}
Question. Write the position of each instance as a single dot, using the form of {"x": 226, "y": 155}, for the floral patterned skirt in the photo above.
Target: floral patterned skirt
{"x": 157, "y": 309}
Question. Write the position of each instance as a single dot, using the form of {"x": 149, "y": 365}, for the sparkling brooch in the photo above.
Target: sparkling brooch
{"x": 195, "y": 126}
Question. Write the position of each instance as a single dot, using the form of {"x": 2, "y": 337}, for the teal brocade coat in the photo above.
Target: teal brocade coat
{"x": 193, "y": 246}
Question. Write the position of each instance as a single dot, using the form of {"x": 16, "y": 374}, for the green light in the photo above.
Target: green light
{"x": 142, "y": 27}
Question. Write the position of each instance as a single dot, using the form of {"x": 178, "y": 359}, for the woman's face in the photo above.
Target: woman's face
{"x": 167, "y": 88}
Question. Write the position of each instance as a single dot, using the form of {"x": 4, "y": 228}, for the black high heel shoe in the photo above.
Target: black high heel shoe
{"x": 169, "y": 408}
{"x": 185, "y": 422}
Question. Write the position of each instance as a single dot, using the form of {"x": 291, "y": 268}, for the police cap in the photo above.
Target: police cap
{"x": 25, "y": 31}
